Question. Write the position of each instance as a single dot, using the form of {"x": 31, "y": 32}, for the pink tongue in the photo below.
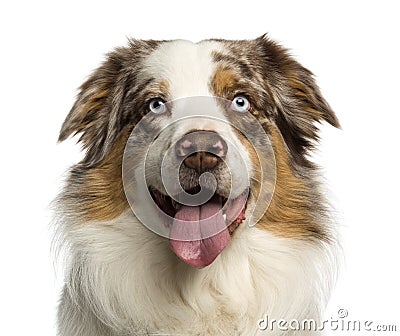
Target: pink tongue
{"x": 199, "y": 234}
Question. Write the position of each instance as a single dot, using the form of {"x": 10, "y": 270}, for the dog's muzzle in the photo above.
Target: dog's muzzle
{"x": 188, "y": 175}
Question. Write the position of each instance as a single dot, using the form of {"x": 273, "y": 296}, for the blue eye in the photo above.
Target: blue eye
{"x": 157, "y": 106}
{"x": 240, "y": 104}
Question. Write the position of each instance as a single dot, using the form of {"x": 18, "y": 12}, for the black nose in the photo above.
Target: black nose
{"x": 201, "y": 150}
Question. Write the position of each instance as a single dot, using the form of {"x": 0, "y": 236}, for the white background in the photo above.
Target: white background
{"x": 48, "y": 49}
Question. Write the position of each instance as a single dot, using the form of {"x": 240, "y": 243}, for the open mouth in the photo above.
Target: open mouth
{"x": 170, "y": 207}
{"x": 198, "y": 234}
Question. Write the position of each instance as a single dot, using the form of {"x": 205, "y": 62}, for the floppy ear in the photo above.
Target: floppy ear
{"x": 95, "y": 112}
{"x": 299, "y": 102}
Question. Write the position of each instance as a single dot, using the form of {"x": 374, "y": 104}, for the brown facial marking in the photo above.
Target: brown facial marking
{"x": 291, "y": 213}
{"x": 224, "y": 82}
{"x": 230, "y": 80}
{"x": 294, "y": 205}
{"x": 164, "y": 87}
{"x": 100, "y": 196}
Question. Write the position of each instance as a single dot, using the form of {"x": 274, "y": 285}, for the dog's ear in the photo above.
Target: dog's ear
{"x": 95, "y": 112}
{"x": 299, "y": 103}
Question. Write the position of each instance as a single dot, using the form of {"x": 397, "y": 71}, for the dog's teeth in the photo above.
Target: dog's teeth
{"x": 224, "y": 216}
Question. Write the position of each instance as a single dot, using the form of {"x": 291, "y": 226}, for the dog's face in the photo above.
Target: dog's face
{"x": 185, "y": 111}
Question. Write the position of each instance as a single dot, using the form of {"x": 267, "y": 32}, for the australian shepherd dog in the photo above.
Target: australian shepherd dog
{"x": 196, "y": 209}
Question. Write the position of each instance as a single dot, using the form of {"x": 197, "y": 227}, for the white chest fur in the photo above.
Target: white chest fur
{"x": 134, "y": 282}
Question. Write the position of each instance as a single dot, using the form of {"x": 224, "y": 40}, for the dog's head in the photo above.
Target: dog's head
{"x": 194, "y": 104}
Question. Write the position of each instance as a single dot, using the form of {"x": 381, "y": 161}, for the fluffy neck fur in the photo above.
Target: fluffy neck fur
{"x": 134, "y": 284}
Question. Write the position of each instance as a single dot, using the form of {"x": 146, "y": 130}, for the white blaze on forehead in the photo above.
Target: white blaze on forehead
{"x": 187, "y": 66}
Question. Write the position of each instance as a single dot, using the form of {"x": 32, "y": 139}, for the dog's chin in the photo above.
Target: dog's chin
{"x": 198, "y": 234}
